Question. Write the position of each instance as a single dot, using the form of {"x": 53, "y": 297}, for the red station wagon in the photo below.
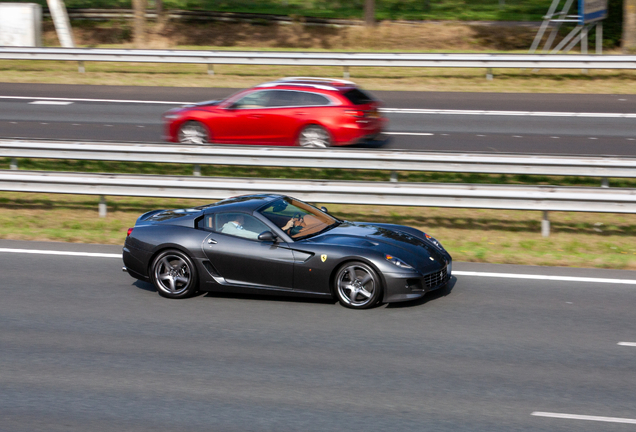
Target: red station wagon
{"x": 308, "y": 112}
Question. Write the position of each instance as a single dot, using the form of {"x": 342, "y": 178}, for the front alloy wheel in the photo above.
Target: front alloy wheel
{"x": 174, "y": 275}
{"x": 314, "y": 136}
{"x": 193, "y": 132}
{"x": 357, "y": 286}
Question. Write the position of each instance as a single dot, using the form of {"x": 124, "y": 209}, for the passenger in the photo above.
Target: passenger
{"x": 235, "y": 228}
{"x": 295, "y": 225}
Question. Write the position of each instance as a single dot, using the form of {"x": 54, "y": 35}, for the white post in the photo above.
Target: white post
{"x": 345, "y": 72}
{"x": 599, "y": 38}
{"x": 197, "y": 170}
{"x": 210, "y": 69}
{"x": 62, "y": 23}
{"x": 489, "y": 74}
{"x": 545, "y": 225}
{"x": 102, "y": 206}
{"x": 394, "y": 176}
{"x": 13, "y": 164}
{"x": 584, "y": 44}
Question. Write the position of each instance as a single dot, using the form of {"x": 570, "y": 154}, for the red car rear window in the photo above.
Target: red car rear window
{"x": 358, "y": 97}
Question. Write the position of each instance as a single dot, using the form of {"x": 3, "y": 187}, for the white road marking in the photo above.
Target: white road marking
{"x": 409, "y": 133}
{"x": 48, "y": 102}
{"x": 385, "y": 110}
{"x": 506, "y": 113}
{"x": 630, "y": 344}
{"x": 457, "y": 273}
{"x": 95, "y": 100}
{"x": 545, "y": 277}
{"x": 584, "y": 417}
{"x": 54, "y": 252}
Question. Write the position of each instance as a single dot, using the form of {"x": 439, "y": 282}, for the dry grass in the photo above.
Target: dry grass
{"x": 392, "y": 36}
{"x": 494, "y": 236}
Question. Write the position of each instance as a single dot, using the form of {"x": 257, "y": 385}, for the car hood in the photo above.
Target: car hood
{"x": 415, "y": 251}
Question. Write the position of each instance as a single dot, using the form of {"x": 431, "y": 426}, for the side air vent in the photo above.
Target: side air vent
{"x": 210, "y": 268}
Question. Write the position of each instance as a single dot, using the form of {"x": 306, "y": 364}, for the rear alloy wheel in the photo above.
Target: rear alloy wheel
{"x": 314, "y": 136}
{"x": 358, "y": 286}
{"x": 193, "y": 132}
{"x": 174, "y": 275}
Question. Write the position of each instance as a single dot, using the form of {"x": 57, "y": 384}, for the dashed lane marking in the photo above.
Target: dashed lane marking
{"x": 629, "y": 344}
{"x": 71, "y": 100}
{"x": 48, "y": 102}
{"x": 584, "y": 417}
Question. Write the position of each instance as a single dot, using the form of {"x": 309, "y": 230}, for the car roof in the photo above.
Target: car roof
{"x": 246, "y": 203}
{"x": 312, "y": 82}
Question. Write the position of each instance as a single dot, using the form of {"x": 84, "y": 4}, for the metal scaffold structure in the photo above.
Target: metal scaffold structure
{"x": 590, "y": 14}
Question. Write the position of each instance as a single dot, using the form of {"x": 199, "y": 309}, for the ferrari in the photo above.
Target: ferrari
{"x": 279, "y": 245}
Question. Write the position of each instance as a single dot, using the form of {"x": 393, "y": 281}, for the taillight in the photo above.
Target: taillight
{"x": 130, "y": 230}
{"x": 355, "y": 113}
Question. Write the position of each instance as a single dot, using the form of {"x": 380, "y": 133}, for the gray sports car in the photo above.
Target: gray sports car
{"x": 275, "y": 244}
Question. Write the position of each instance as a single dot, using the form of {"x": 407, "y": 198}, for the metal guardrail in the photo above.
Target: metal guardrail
{"x": 510, "y": 197}
{"x": 395, "y": 160}
{"x": 344, "y": 59}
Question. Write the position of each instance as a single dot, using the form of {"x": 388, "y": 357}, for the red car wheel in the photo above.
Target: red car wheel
{"x": 193, "y": 132}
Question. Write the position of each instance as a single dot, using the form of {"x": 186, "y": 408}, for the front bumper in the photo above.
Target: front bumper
{"x": 399, "y": 287}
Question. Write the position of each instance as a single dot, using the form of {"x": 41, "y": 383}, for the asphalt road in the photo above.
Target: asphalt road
{"x": 467, "y": 122}
{"x": 85, "y": 347}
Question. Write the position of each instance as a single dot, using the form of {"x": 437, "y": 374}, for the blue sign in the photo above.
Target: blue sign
{"x": 592, "y": 10}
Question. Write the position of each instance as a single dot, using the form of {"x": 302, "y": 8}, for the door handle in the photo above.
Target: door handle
{"x": 300, "y": 113}
{"x": 212, "y": 241}
{"x": 255, "y": 116}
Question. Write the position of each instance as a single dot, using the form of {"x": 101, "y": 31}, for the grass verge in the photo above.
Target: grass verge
{"x": 397, "y": 79}
{"x": 493, "y": 236}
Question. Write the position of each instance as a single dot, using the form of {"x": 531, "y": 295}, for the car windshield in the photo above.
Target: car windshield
{"x": 298, "y": 219}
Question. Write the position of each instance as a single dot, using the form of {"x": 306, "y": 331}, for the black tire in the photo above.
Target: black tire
{"x": 193, "y": 132}
{"x": 174, "y": 275}
{"x": 314, "y": 136}
{"x": 357, "y": 285}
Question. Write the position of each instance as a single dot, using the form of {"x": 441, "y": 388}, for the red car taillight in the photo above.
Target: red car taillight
{"x": 130, "y": 230}
{"x": 355, "y": 113}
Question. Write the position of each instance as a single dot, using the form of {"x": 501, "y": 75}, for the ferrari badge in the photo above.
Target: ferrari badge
{"x": 323, "y": 258}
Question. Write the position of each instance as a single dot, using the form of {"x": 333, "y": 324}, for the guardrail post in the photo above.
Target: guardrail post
{"x": 80, "y": 66}
{"x": 345, "y": 72}
{"x": 605, "y": 182}
{"x": 197, "y": 170}
{"x": 13, "y": 164}
{"x": 211, "y": 69}
{"x": 394, "y": 176}
{"x": 102, "y": 206}
{"x": 489, "y": 74}
{"x": 545, "y": 225}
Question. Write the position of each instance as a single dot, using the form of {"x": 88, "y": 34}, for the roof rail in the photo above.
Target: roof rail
{"x": 278, "y": 83}
{"x": 333, "y": 80}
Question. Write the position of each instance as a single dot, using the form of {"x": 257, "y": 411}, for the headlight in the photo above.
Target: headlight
{"x": 435, "y": 242}
{"x": 396, "y": 261}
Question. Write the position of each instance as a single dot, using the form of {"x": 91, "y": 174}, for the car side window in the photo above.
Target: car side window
{"x": 239, "y": 225}
{"x": 258, "y": 99}
{"x": 314, "y": 99}
{"x": 206, "y": 222}
{"x": 285, "y": 98}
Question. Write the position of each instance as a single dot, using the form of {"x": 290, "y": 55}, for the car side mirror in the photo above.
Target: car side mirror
{"x": 324, "y": 209}
{"x": 267, "y": 236}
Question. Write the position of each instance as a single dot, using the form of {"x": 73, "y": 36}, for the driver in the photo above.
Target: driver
{"x": 294, "y": 225}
